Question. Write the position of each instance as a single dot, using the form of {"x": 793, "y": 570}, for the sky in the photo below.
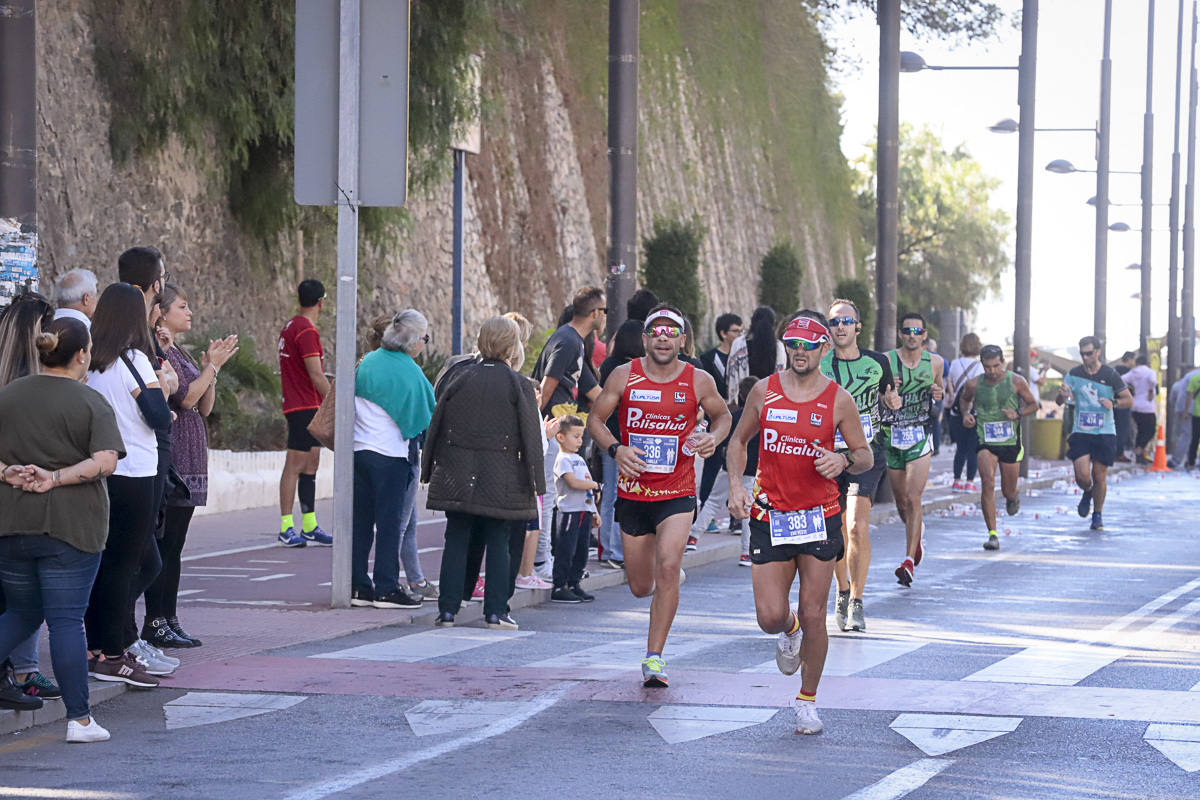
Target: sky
{"x": 960, "y": 106}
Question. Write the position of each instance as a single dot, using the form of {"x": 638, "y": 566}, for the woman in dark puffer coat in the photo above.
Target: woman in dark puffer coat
{"x": 483, "y": 462}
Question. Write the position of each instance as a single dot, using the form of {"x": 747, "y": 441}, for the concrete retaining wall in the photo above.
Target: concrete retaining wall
{"x": 238, "y": 481}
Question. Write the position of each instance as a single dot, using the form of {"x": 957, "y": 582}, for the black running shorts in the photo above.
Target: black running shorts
{"x": 763, "y": 552}
{"x": 1101, "y": 447}
{"x": 298, "y": 437}
{"x": 642, "y": 517}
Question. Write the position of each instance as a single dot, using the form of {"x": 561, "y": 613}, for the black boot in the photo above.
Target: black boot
{"x": 158, "y": 633}
{"x": 173, "y": 622}
{"x": 13, "y": 698}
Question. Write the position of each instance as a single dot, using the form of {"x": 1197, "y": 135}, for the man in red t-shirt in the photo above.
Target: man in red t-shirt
{"x": 302, "y": 375}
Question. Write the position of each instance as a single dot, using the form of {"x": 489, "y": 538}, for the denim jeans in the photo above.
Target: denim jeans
{"x": 549, "y": 501}
{"x": 47, "y": 579}
{"x": 610, "y": 533}
{"x": 409, "y": 555}
{"x": 24, "y": 656}
{"x": 380, "y": 488}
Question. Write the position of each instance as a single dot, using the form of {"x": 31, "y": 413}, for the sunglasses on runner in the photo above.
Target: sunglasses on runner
{"x": 802, "y": 344}
{"x": 847, "y": 321}
{"x": 912, "y": 331}
{"x": 1086, "y": 353}
{"x": 669, "y": 331}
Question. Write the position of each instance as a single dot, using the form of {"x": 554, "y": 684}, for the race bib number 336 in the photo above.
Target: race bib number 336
{"x": 660, "y": 452}
{"x": 798, "y": 527}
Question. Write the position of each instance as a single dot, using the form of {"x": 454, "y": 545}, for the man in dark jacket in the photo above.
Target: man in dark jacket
{"x": 483, "y": 462}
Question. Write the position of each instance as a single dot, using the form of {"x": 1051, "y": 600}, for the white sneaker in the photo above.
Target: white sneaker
{"x": 682, "y": 576}
{"x": 150, "y": 662}
{"x": 787, "y": 653}
{"x": 82, "y": 734}
{"x": 807, "y": 720}
{"x": 159, "y": 654}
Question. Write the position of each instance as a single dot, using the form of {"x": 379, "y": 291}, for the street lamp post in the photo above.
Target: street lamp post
{"x": 1187, "y": 320}
{"x": 623, "y": 26}
{"x": 1026, "y": 81}
{"x": 1147, "y": 180}
{"x": 1103, "y": 131}
{"x": 887, "y": 174}
{"x": 1173, "y": 266}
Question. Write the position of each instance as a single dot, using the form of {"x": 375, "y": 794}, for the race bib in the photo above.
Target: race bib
{"x": 840, "y": 444}
{"x": 904, "y": 438}
{"x": 798, "y": 527}
{"x": 1000, "y": 431}
{"x": 659, "y": 452}
{"x": 1090, "y": 420}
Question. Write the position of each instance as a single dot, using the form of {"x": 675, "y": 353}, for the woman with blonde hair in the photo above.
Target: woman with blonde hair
{"x": 963, "y": 369}
{"x": 484, "y": 465}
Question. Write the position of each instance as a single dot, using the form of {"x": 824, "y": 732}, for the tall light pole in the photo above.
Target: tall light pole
{"x": 1103, "y": 131}
{"x": 622, "y": 156}
{"x": 887, "y": 175}
{"x": 1173, "y": 267}
{"x": 1026, "y": 81}
{"x": 1186, "y": 294}
{"x": 1147, "y": 180}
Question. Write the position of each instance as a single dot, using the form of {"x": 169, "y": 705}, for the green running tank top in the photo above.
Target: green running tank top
{"x": 991, "y": 426}
{"x": 916, "y": 391}
{"x": 863, "y": 379}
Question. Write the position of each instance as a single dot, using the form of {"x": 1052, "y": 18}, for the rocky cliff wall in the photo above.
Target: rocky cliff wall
{"x": 735, "y": 124}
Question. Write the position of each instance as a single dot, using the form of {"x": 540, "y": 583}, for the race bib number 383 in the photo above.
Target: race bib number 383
{"x": 798, "y": 527}
{"x": 659, "y": 452}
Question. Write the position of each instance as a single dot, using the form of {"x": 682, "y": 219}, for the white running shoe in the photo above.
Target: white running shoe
{"x": 807, "y": 720}
{"x": 82, "y": 734}
{"x": 159, "y": 654}
{"x": 787, "y": 652}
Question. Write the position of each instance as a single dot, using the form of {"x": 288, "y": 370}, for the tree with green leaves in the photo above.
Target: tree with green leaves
{"x": 941, "y": 19}
{"x": 779, "y": 278}
{"x": 671, "y": 264}
{"x": 952, "y": 244}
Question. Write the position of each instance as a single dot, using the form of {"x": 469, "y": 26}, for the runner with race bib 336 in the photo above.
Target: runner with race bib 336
{"x": 795, "y": 520}
{"x": 659, "y": 399}
{"x": 867, "y": 376}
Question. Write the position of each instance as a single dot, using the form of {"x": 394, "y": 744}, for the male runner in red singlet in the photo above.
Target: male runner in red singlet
{"x": 795, "y": 518}
{"x": 659, "y": 398}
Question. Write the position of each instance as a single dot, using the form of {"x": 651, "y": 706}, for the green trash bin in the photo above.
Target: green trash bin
{"x": 1047, "y": 434}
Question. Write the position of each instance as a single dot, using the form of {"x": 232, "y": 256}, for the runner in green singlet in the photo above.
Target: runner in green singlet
{"x": 867, "y": 376}
{"x": 907, "y": 431}
{"x": 993, "y": 405}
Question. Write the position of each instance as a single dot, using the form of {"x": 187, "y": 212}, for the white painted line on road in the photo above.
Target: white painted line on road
{"x": 427, "y": 644}
{"x": 435, "y": 717}
{"x": 232, "y": 552}
{"x": 677, "y": 724}
{"x": 1064, "y": 664}
{"x": 1180, "y": 743}
{"x": 276, "y": 576}
{"x": 248, "y": 602}
{"x": 597, "y": 663}
{"x": 848, "y": 655}
{"x": 266, "y": 561}
{"x": 371, "y": 772}
{"x": 186, "y": 592}
{"x": 207, "y": 708}
{"x": 235, "y": 569}
{"x": 938, "y": 734}
{"x": 429, "y": 550}
{"x": 903, "y": 781}
{"x": 37, "y": 793}
{"x": 210, "y": 575}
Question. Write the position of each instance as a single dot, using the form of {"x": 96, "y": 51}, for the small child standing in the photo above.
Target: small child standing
{"x": 576, "y": 510}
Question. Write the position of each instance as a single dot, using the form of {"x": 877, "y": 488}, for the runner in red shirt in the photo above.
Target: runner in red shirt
{"x": 658, "y": 398}
{"x": 795, "y": 516}
{"x": 302, "y": 376}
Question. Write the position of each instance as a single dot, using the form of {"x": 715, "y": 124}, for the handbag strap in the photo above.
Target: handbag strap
{"x": 136, "y": 376}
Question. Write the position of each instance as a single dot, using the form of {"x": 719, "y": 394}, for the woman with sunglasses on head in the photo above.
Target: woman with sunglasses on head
{"x": 190, "y": 404}
{"x": 58, "y": 441}
{"x": 20, "y": 325}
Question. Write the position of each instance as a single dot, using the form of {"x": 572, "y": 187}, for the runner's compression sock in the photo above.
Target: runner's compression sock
{"x": 793, "y": 624}
{"x": 653, "y": 655}
{"x": 287, "y": 523}
{"x": 306, "y": 490}
{"x": 807, "y": 696}
{"x": 308, "y": 522}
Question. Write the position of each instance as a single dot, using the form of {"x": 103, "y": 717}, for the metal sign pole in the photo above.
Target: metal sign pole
{"x": 347, "y": 299}
{"x": 456, "y": 295}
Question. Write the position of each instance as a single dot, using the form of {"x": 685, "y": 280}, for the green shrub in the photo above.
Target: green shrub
{"x": 671, "y": 264}
{"x": 779, "y": 279}
{"x": 859, "y": 292}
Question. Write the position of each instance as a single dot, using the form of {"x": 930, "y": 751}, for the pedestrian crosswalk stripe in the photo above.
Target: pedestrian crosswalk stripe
{"x": 848, "y": 655}
{"x": 599, "y": 662}
{"x": 428, "y": 644}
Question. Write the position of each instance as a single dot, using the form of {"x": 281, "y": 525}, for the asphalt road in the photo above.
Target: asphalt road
{"x": 1067, "y": 665}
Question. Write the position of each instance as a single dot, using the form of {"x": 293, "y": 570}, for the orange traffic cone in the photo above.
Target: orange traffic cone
{"x": 1160, "y": 453}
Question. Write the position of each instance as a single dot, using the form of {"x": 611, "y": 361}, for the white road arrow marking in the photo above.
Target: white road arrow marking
{"x": 207, "y": 708}
{"x": 1180, "y": 743}
{"x": 433, "y": 717}
{"x": 938, "y": 734}
{"x": 677, "y": 724}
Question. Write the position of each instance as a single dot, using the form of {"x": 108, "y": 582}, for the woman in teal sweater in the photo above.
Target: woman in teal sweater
{"x": 393, "y": 403}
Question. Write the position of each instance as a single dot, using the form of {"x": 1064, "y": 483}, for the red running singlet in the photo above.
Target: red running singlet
{"x": 787, "y": 478}
{"x": 657, "y": 418}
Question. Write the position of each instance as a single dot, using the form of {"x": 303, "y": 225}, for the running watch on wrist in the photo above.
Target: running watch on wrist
{"x": 612, "y": 450}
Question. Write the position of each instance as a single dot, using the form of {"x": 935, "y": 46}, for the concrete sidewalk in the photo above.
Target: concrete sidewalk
{"x": 243, "y": 594}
